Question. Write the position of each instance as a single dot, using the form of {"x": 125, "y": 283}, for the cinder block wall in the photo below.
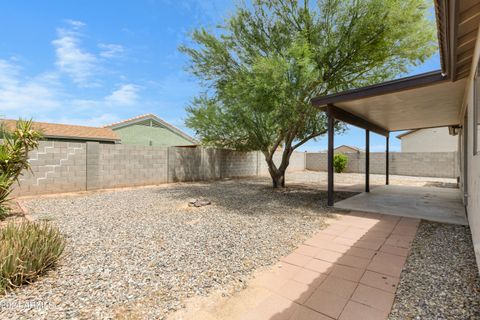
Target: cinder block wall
{"x": 423, "y": 164}
{"x": 65, "y": 167}
{"x": 297, "y": 162}
{"x": 194, "y": 164}
{"x": 239, "y": 164}
{"x": 128, "y": 165}
{"x": 317, "y": 161}
{"x": 55, "y": 167}
{"x": 197, "y": 164}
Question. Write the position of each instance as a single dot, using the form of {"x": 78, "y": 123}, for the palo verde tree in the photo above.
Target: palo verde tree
{"x": 262, "y": 67}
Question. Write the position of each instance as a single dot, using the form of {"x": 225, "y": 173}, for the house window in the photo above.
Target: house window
{"x": 476, "y": 112}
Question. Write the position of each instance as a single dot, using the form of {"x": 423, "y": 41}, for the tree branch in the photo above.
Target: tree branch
{"x": 313, "y": 135}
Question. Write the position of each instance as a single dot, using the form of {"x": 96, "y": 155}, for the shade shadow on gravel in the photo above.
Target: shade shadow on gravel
{"x": 440, "y": 279}
{"x": 139, "y": 253}
{"x": 256, "y": 196}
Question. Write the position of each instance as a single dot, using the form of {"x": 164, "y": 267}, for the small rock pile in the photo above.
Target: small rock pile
{"x": 198, "y": 203}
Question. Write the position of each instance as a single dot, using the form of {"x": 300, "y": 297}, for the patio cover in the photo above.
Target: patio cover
{"x": 424, "y": 101}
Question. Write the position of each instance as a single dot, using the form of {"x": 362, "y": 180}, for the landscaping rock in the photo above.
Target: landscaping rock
{"x": 198, "y": 203}
{"x": 137, "y": 254}
{"x": 440, "y": 279}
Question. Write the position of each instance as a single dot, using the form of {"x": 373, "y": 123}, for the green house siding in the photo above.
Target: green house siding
{"x": 137, "y": 134}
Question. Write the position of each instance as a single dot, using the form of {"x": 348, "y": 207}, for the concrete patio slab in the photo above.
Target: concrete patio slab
{"x": 429, "y": 203}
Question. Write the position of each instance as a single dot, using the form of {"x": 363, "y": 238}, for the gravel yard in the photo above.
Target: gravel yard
{"x": 320, "y": 178}
{"x": 440, "y": 279}
{"x": 138, "y": 253}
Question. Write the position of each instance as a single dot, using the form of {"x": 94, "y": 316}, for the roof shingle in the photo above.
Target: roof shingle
{"x": 66, "y": 131}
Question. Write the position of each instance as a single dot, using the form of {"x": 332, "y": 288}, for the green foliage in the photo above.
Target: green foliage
{"x": 340, "y": 162}
{"x": 27, "y": 250}
{"x": 14, "y": 149}
{"x": 265, "y": 63}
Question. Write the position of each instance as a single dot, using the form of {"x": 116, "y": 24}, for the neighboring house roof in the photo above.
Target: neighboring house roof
{"x": 349, "y": 147}
{"x": 152, "y": 117}
{"x": 400, "y": 136}
{"x": 66, "y": 131}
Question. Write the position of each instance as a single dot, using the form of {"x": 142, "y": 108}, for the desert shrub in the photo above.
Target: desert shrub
{"x": 14, "y": 148}
{"x": 27, "y": 250}
{"x": 340, "y": 162}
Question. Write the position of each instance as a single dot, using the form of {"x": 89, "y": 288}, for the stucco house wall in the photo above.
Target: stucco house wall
{"x": 142, "y": 135}
{"x": 429, "y": 140}
{"x": 150, "y": 130}
{"x": 470, "y": 177}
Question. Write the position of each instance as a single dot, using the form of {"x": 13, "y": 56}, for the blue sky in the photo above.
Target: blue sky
{"x": 96, "y": 62}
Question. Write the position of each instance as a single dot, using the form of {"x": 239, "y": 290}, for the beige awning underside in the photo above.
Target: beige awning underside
{"x": 435, "y": 105}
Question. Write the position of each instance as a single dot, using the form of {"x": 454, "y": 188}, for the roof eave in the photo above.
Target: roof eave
{"x": 397, "y": 85}
{"x": 443, "y": 34}
{"x": 400, "y": 136}
{"x": 80, "y": 138}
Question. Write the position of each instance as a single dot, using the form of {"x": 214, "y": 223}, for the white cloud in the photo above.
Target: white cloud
{"x": 73, "y": 60}
{"x": 8, "y": 73}
{"x": 110, "y": 50}
{"x": 44, "y": 98}
{"x": 47, "y": 97}
{"x": 95, "y": 121}
{"x": 126, "y": 94}
{"x": 25, "y": 95}
{"x": 76, "y": 24}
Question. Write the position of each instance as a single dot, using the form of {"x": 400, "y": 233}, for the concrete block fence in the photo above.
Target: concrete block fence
{"x": 421, "y": 164}
{"x": 71, "y": 166}
{"x": 55, "y": 167}
{"x": 66, "y": 166}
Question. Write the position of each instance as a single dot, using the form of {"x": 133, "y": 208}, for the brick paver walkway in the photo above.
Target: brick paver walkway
{"x": 349, "y": 270}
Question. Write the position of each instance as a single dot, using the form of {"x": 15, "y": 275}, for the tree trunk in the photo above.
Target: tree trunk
{"x": 278, "y": 173}
{"x": 278, "y": 180}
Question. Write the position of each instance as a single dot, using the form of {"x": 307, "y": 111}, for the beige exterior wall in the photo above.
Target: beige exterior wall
{"x": 470, "y": 177}
{"x": 429, "y": 140}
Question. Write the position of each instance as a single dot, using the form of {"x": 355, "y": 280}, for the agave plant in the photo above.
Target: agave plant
{"x": 27, "y": 250}
{"x": 14, "y": 148}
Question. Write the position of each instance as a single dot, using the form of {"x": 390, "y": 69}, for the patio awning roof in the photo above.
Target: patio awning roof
{"x": 423, "y": 101}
